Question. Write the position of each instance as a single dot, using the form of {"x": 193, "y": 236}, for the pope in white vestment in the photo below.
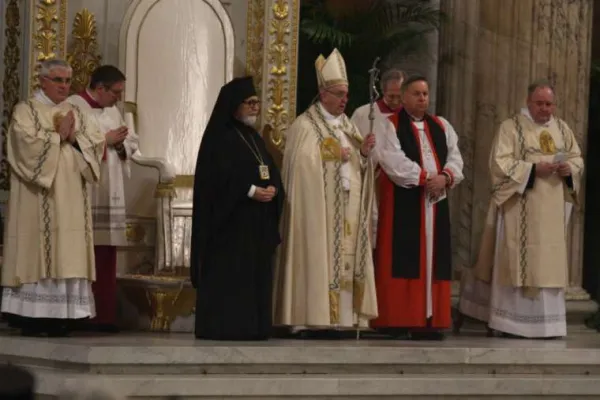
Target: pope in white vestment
{"x": 108, "y": 197}
{"x": 324, "y": 277}
{"x": 54, "y": 153}
{"x": 517, "y": 286}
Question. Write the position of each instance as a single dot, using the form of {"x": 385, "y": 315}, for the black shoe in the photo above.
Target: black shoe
{"x": 59, "y": 330}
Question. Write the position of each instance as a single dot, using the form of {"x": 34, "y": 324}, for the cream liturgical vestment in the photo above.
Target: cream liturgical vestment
{"x": 518, "y": 283}
{"x": 324, "y": 276}
{"x": 108, "y": 197}
{"x": 48, "y": 264}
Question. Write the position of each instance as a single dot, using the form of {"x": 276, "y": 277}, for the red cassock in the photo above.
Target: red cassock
{"x": 401, "y": 252}
{"x": 105, "y": 286}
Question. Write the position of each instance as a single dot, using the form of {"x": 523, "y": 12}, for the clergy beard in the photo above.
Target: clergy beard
{"x": 249, "y": 120}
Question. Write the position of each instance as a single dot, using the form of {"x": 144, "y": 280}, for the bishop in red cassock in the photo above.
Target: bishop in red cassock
{"x": 420, "y": 162}
{"x": 108, "y": 197}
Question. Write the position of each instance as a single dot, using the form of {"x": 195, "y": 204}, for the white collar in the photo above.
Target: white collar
{"x": 40, "y": 96}
{"x": 328, "y": 116}
{"x": 525, "y": 112}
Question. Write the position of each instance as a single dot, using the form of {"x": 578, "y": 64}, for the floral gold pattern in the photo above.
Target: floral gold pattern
{"x": 83, "y": 55}
{"x": 10, "y": 82}
{"x": 255, "y": 23}
{"x": 278, "y": 59}
{"x": 47, "y": 41}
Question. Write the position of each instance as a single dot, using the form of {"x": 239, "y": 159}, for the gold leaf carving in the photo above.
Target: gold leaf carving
{"x": 255, "y": 23}
{"x": 83, "y": 55}
{"x": 10, "y": 81}
{"x": 278, "y": 59}
{"x": 45, "y": 36}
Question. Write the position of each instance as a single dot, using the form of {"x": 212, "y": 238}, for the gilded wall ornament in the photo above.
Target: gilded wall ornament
{"x": 83, "y": 53}
{"x": 48, "y": 34}
{"x": 10, "y": 82}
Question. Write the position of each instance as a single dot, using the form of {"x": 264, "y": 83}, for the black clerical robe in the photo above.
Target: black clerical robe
{"x": 234, "y": 237}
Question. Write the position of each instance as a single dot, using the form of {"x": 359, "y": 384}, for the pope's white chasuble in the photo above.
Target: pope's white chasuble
{"x": 324, "y": 270}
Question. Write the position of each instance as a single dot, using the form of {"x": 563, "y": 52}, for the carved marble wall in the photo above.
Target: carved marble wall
{"x": 490, "y": 52}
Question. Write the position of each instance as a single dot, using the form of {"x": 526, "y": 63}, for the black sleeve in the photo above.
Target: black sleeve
{"x": 76, "y": 145}
{"x": 531, "y": 180}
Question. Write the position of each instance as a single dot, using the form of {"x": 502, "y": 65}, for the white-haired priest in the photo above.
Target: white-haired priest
{"x": 54, "y": 152}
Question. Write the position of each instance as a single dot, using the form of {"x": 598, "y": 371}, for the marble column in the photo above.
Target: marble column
{"x": 490, "y": 50}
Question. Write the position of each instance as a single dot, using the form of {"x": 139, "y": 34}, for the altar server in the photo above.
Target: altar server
{"x": 99, "y": 103}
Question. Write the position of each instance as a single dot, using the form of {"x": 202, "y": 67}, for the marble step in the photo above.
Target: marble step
{"x": 181, "y": 355}
{"x": 52, "y": 383}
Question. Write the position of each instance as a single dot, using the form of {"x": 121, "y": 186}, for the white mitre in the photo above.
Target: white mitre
{"x": 331, "y": 71}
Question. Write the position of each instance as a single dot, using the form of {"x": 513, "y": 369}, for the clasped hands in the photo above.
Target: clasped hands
{"x": 545, "y": 169}
{"x": 435, "y": 185}
{"x": 116, "y": 136}
{"x": 265, "y": 195}
{"x": 65, "y": 126}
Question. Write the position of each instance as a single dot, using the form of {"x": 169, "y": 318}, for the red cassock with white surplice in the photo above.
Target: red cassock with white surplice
{"x": 413, "y": 250}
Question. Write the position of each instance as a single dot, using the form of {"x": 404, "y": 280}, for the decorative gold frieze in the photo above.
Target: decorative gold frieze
{"x": 271, "y": 57}
{"x": 255, "y": 28}
{"x": 10, "y": 82}
{"x": 48, "y": 41}
{"x": 278, "y": 59}
{"x": 83, "y": 53}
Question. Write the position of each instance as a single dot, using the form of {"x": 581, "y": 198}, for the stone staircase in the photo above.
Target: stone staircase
{"x": 469, "y": 366}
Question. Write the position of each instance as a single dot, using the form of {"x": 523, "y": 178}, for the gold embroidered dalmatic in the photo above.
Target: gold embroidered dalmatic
{"x": 533, "y": 252}
{"x": 48, "y": 224}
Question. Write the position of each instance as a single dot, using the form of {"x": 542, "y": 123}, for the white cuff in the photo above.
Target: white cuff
{"x": 251, "y": 191}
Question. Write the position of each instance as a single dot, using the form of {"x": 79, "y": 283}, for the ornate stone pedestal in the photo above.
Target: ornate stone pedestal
{"x": 162, "y": 299}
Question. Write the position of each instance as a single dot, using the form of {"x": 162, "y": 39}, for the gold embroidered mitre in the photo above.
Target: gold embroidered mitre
{"x": 331, "y": 71}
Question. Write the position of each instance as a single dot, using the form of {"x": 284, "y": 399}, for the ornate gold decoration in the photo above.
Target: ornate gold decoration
{"x": 278, "y": 59}
{"x": 184, "y": 181}
{"x": 83, "y": 55}
{"x": 134, "y": 233}
{"x": 161, "y": 298}
{"x": 547, "y": 143}
{"x": 255, "y": 28}
{"x": 10, "y": 82}
{"x": 165, "y": 189}
{"x": 331, "y": 149}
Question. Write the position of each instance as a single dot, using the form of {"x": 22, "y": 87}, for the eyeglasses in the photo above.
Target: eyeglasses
{"x": 58, "y": 79}
{"x": 339, "y": 95}
{"x": 252, "y": 103}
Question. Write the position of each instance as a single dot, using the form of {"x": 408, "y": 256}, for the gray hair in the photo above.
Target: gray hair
{"x": 539, "y": 84}
{"x": 46, "y": 66}
{"x": 391, "y": 75}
